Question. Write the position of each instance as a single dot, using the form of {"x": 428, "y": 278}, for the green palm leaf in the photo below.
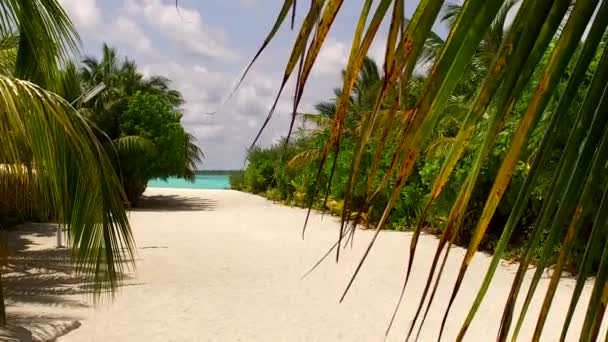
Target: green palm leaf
{"x": 132, "y": 144}
{"x": 297, "y": 53}
{"x": 76, "y": 176}
{"x": 494, "y": 62}
{"x": 303, "y": 158}
{"x": 488, "y": 89}
{"x": 596, "y": 170}
{"x": 194, "y": 156}
{"x": 47, "y": 37}
{"x": 540, "y": 159}
{"x": 8, "y": 53}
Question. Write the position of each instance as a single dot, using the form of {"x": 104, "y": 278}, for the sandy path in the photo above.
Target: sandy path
{"x": 226, "y": 266}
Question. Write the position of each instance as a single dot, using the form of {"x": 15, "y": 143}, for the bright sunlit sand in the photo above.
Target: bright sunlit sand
{"x": 218, "y": 265}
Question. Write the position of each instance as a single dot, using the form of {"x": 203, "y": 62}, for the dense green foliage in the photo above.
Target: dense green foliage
{"x": 503, "y": 142}
{"x": 74, "y": 158}
{"x": 52, "y": 166}
{"x": 149, "y": 117}
{"x": 141, "y": 119}
{"x": 237, "y": 179}
{"x": 287, "y": 173}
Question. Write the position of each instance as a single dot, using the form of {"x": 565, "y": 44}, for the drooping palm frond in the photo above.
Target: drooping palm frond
{"x": 496, "y": 32}
{"x": 9, "y": 44}
{"x": 159, "y": 85}
{"x": 126, "y": 151}
{"x": 75, "y": 174}
{"x": 132, "y": 144}
{"x": 47, "y": 38}
{"x": 507, "y": 57}
{"x": 320, "y": 121}
{"x": 43, "y": 133}
{"x": 69, "y": 84}
{"x": 440, "y": 145}
{"x": 303, "y": 158}
{"x": 194, "y": 156}
{"x": 326, "y": 108}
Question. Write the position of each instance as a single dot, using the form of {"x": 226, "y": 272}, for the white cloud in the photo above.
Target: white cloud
{"x": 88, "y": 18}
{"x": 332, "y": 59}
{"x": 182, "y": 26}
{"x": 212, "y": 131}
{"x": 225, "y": 135}
{"x": 378, "y": 51}
{"x": 132, "y": 8}
{"x": 84, "y": 13}
{"x": 165, "y": 42}
{"x": 125, "y": 30}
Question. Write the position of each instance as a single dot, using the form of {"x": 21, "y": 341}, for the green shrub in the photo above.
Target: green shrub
{"x": 237, "y": 180}
{"x": 149, "y": 118}
{"x": 273, "y": 195}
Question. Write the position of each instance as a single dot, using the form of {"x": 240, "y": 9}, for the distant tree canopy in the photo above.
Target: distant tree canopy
{"x": 142, "y": 118}
{"x": 149, "y": 117}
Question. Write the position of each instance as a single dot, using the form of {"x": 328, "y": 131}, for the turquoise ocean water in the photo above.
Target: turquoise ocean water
{"x": 201, "y": 182}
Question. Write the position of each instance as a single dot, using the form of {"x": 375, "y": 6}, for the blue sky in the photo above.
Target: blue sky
{"x": 204, "y": 47}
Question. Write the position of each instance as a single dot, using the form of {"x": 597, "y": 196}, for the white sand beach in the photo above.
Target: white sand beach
{"x": 227, "y": 266}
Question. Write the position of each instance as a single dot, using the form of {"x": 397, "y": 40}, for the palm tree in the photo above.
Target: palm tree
{"x": 514, "y": 58}
{"x": 362, "y": 100}
{"x": 123, "y": 77}
{"x": 194, "y": 156}
{"x": 106, "y": 107}
{"x": 122, "y": 80}
{"x": 73, "y": 172}
{"x": 9, "y": 44}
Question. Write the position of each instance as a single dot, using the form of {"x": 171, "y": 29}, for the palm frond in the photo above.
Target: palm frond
{"x": 304, "y": 158}
{"x": 76, "y": 176}
{"x": 47, "y": 38}
{"x": 451, "y": 11}
{"x": 489, "y": 79}
{"x": 194, "y": 156}
{"x": 440, "y": 146}
{"x": 132, "y": 144}
{"x": 8, "y": 53}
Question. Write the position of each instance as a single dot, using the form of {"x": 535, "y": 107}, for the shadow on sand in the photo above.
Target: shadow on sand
{"x": 164, "y": 203}
{"x": 43, "y": 281}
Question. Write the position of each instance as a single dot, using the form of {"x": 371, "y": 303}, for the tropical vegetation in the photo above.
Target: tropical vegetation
{"x": 139, "y": 121}
{"x": 494, "y": 137}
{"x": 48, "y": 151}
{"x": 74, "y": 157}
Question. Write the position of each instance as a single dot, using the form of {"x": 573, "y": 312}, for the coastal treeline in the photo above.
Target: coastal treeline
{"x": 136, "y": 119}
{"x": 494, "y": 137}
{"x": 287, "y": 172}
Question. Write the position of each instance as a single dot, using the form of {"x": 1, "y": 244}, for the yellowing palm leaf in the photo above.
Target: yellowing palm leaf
{"x": 517, "y": 56}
